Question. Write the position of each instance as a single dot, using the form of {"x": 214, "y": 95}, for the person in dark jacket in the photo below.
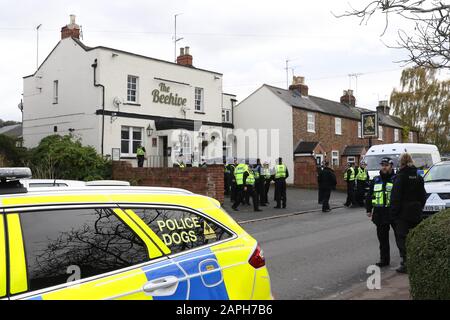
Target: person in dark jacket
{"x": 327, "y": 182}
{"x": 319, "y": 170}
{"x": 378, "y": 207}
{"x": 407, "y": 201}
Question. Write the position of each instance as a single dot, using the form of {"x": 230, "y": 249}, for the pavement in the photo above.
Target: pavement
{"x": 315, "y": 255}
{"x": 299, "y": 201}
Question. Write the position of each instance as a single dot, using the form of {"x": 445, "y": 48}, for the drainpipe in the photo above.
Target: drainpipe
{"x": 94, "y": 65}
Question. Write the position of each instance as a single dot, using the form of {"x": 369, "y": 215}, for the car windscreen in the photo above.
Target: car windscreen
{"x": 373, "y": 161}
{"x": 440, "y": 172}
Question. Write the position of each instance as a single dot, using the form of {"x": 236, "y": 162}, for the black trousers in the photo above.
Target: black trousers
{"x": 383, "y": 239}
{"x": 360, "y": 193}
{"x": 326, "y": 193}
{"x": 240, "y": 196}
{"x": 140, "y": 160}
{"x": 350, "y": 193}
{"x": 227, "y": 180}
{"x": 233, "y": 190}
{"x": 402, "y": 228}
{"x": 280, "y": 192}
{"x": 320, "y": 195}
{"x": 265, "y": 193}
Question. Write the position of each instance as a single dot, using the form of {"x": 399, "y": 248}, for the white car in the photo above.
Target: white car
{"x": 437, "y": 185}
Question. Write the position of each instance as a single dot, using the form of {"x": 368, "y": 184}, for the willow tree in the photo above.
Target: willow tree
{"x": 423, "y": 102}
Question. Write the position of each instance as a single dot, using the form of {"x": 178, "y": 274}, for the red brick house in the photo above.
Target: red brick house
{"x": 313, "y": 129}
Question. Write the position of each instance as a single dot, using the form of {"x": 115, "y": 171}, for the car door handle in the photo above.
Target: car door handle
{"x": 162, "y": 286}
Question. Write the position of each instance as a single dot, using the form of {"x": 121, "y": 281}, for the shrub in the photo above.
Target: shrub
{"x": 428, "y": 263}
{"x": 64, "y": 157}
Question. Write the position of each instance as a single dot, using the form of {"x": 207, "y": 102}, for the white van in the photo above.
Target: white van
{"x": 424, "y": 156}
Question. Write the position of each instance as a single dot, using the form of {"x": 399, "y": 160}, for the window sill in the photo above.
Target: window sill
{"x": 132, "y": 104}
{"x": 128, "y": 157}
{"x": 199, "y": 112}
{"x": 308, "y": 131}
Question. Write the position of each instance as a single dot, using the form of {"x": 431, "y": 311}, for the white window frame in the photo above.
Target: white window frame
{"x": 130, "y": 84}
{"x": 359, "y": 130}
{"x": 396, "y": 135}
{"x": 411, "y": 136}
{"x": 311, "y": 122}
{"x": 199, "y": 99}
{"x": 226, "y": 116}
{"x": 55, "y": 91}
{"x": 130, "y": 140}
{"x": 351, "y": 159}
{"x": 335, "y": 156}
{"x": 380, "y": 133}
{"x": 338, "y": 125}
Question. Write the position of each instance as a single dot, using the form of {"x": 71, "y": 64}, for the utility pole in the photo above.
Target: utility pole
{"x": 37, "y": 46}
{"x": 287, "y": 74}
{"x": 175, "y": 39}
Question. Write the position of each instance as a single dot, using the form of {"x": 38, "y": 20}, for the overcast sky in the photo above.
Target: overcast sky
{"x": 248, "y": 41}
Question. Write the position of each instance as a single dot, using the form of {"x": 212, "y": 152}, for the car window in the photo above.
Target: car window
{"x": 45, "y": 184}
{"x": 440, "y": 172}
{"x": 422, "y": 160}
{"x": 181, "y": 230}
{"x": 63, "y": 244}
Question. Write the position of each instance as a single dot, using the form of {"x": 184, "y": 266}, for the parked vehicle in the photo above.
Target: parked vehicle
{"x": 437, "y": 185}
{"x": 122, "y": 242}
{"x": 424, "y": 155}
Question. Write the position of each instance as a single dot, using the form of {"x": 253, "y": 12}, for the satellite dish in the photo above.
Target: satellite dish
{"x": 117, "y": 102}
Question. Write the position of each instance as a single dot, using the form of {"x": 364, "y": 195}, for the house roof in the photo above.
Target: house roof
{"x": 334, "y": 108}
{"x": 87, "y": 48}
{"x": 306, "y": 147}
{"x": 353, "y": 150}
{"x": 14, "y": 130}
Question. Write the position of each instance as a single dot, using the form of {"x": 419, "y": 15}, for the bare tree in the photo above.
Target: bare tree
{"x": 429, "y": 44}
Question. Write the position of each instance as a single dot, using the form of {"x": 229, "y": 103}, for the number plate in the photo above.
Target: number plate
{"x": 434, "y": 208}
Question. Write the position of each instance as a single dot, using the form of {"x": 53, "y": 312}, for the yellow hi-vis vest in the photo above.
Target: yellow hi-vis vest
{"x": 140, "y": 151}
{"x": 250, "y": 181}
{"x": 379, "y": 195}
{"x": 352, "y": 174}
{"x": 239, "y": 173}
{"x": 280, "y": 171}
{"x": 265, "y": 172}
{"x": 362, "y": 174}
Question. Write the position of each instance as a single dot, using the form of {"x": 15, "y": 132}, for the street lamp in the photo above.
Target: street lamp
{"x": 149, "y": 130}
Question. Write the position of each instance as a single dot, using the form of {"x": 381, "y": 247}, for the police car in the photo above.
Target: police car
{"x": 122, "y": 242}
{"x": 437, "y": 186}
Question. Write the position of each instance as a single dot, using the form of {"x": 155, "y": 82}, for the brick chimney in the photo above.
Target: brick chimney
{"x": 383, "y": 107}
{"x": 348, "y": 98}
{"x": 72, "y": 30}
{"x": 298, "y": 85}
{"x": 184, "y": 59}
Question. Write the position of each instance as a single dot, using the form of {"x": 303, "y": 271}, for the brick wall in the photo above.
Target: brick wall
{"x": 325, "y": 132}
{"x": 206, "y": 181}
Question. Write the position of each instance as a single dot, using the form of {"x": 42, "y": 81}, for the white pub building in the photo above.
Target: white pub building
{"x": 115, "y": 101}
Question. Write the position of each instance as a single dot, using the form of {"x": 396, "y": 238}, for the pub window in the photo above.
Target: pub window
{"x": 396, "y": 135}
{"x": 338, "y": 126}
{"x": 132, "y": 89}
{"x": 380, "y": 133}
{"x": 359, "y": 130}
{"x": 131, "y": 138}
{"x": 335, "y": 158}
{"x": 199, "y": 99}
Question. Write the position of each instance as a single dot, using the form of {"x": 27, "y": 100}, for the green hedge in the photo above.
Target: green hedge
{"x": 428, "y": 263}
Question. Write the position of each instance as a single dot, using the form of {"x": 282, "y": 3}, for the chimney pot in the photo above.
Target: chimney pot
{"x": 181, "y": 51}
{"x": 298, "y": 84}
{"x": 184, "y": 58}
{"x": 186, "y": 50}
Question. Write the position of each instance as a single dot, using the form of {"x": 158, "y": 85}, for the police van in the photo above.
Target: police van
{"x": 424, "y": 156}
{"x": 122, "y": 242}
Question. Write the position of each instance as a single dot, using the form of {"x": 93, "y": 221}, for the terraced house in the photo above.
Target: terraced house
{"x": 312, "y": 129}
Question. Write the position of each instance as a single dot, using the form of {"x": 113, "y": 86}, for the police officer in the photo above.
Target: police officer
{"x": 407, "y": 201}
{"x": 378, "y": 205}
{"x": 251, "y": 186}
{"x": 179, "y": 163}
{"x": 226, "y": 178}
{"x": 362, "y": 179}
{"x": 231, "y": 168}
{"x": 266, "y": 176}
{"x": 281, "y": 174}
{"x": 327, "y": 182}
{"x": 241, "y": 174}
{"x": 349, "y": 177}
{"x": 259, "y": 181}
{"x": 140, "y": 154}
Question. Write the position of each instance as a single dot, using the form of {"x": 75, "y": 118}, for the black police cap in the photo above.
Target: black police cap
{"x": 386, "y": 160}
